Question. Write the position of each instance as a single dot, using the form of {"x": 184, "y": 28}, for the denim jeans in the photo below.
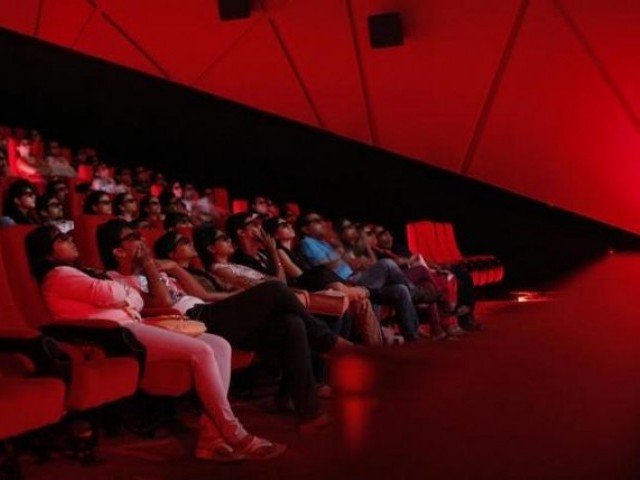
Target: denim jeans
{"x": 384, "y": 272}
{"x": 389, "y": 286}
{"x": 399, "y": 297}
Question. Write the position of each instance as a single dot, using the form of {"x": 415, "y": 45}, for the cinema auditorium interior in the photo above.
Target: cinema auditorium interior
{"x": 347, "y": 239}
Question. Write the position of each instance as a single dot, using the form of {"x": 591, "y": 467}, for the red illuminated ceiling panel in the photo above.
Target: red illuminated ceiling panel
{"x": 61, "y": 21}
{"x": 425, "y": 96}
{"x": 257, "y": 73}
{"x": 557, "y": 132}
{"x": 19, "y": 15}
{"x": 317, "y": 35}
{"x": 102, "y": 39}
{"x": 185, "y": 40}
{"x": 611, "y": 31}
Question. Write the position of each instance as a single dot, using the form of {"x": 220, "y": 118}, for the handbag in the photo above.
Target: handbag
{"x": 178, "y": 324}
{"x": 325, "y": 302}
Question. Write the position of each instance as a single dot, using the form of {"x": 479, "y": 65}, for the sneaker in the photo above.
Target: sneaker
{"x": 219, "y": 451}
{"x": 259, "y": 449}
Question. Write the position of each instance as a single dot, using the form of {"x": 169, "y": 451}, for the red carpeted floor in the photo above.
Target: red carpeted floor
{"x": 550, "y": 390}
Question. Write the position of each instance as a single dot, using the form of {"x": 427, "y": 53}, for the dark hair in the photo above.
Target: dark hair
{"x": 108, "y": 238}
{"x": 118, "y": 202}
{"x": 51, "y": 186}
{"x": 271, "y": 225}
{"x": 91, "y": 200}
{"x": 144, "y": 204}
{"x": 172, "y": 220}
{"x": 339, "y": 227}
{"x": 39, "y": 245}
{"x": 254, "y": 199}
{"x": 165, "y": 244}
{"x": 236, "y": 222}
{"x": 42, "y": 203}
{"x": 166, "y": 198}
{"x": 302, "y": 220}
{"x": 203, "y": 237}
{"x": 16, "y": 190}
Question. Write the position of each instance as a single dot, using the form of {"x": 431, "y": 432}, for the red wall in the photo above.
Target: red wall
{"x": 539, "y": 97}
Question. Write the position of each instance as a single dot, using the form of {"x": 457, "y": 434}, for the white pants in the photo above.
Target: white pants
{"x": 210, "y": 360}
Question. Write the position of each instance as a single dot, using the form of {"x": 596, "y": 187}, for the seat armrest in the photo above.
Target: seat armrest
{"x": 114, "y": 339}
{"x": 47, "y": 357}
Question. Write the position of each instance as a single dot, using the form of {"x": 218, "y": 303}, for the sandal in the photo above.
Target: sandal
{"x": 219, "y": 451}
{"x": 260, "y": 449}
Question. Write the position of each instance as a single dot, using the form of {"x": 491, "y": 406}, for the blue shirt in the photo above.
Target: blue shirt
{"x": 318, "y": 252}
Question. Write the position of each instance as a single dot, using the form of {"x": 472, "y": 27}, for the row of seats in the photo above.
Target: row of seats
{"x": 437, "y": 242}
{"x": 105, "y": 361}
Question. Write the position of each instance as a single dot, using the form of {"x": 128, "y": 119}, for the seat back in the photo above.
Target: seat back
{"x": 221, "y": 198}
{"x": 84, "y": 235}
{"x": 151, "y": 235}
{"x": 23, "y": 287}
{"x": 239, "y": 206}
{"x": 11, "y": 314}
{"x": 421, "y": 239}
{"x": 446, "y": 237}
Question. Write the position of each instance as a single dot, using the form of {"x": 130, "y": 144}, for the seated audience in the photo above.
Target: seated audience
{"x": 73, "y": 292}
{"x": 58, "y": 188}
{"x": 124, "y": 180}
{"x": 256, "y": 249}
{"x": 175, "y": 220}
{"x": 300, "y": 274}
{"x": 97, "y": 202}
{"x": 28, "y": 165}
{"x": 142, "y": 180}
{"x": 384, "y": 279}
{"x": 268, "y": 318}
{"x": 206, "y": 210}
{"x": 151, "y": 215}
{"x": 50, "y": 212}
{"x": 59, "y": 164}
{"x": 259, "y": 205}
{"x": 171, "y": 204}
{"x": 455, "y": 281}
{"x": 103, "y": 181}
{"x": 20, "y": 202}
{"x": 125, "y": 206}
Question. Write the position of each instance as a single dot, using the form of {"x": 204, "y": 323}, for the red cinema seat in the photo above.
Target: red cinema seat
{"x": 99, "y": 375}
{"x": 239, "y": 206}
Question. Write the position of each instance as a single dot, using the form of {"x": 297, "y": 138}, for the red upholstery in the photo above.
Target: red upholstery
{"x": 85, "y": 173}
{"x": 21, "y": 284}
{"x": 239, "y": 205}
{"x": 437, "y": 243}
{"x": 151, "y": 235}
{"x": 12, "y": 155}
{"x": 29, "y": 403}
{"x": 167, "y": 377}
{"x": 84, "y": 235}
{"x": 94, "y": 382}
{"x": 221, "y": 198}
{"x": 102, "y": 381}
